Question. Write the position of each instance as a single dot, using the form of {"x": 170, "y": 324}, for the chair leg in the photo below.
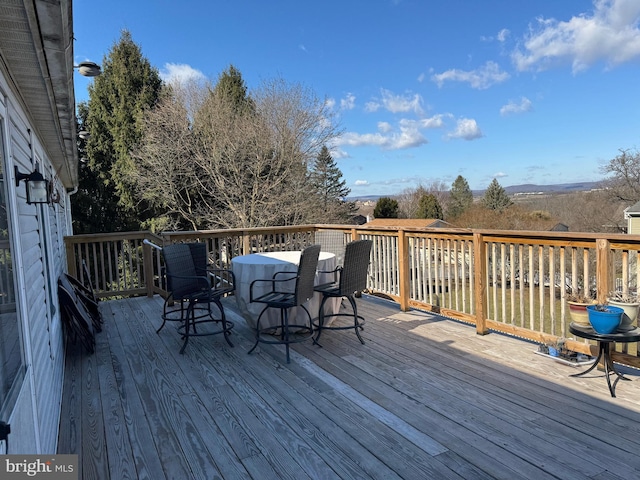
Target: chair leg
{"x": 258, "y": 330}
{"x": 284, "y": 324}
{"x": 320, "y": 320}
{"x": 225, "y": 327}
{"x": 164, "y": 312}
{"x": 190, "y": 316}
{"x": 357, "y": 326}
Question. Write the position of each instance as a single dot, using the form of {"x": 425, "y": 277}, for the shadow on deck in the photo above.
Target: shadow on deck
{"x": 424, "y": 398}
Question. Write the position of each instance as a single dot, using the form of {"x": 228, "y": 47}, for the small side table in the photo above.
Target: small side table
{"x": 604, "y": 350}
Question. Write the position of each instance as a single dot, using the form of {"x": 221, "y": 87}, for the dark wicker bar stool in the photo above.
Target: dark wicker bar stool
{"x": 194, "y": 287}
{"x": 351, "y": 278}
{"x": 283, "y": 297}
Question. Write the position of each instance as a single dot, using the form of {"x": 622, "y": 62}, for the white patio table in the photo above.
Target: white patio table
{"x": 248, "y": 268}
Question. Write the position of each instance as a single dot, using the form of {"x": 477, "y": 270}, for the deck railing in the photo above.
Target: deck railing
{"x": 514, "y": 282}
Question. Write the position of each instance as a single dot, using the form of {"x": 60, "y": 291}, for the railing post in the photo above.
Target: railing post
{"x": 354, "y": 234}
{"x": 604, "y": 269}
{"x": 71, "y": 258}
{"x": 403, "y": 270}
{"x": 479, "y": 281}
{"x": 246, "y": 243}
{"x": 147, "y": 266}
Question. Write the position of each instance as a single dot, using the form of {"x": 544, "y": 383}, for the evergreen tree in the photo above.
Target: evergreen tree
{"x": 326, "y": 180}
{"x": 429, "y": 207}
{"x": 94, "y": 207}
{"x": 495, "y": 197}
{"x": 231, "y": 86}
{"x": 386, "y": 208}
{"x": 460, "y": 197}
{"x": 118, "y": 99}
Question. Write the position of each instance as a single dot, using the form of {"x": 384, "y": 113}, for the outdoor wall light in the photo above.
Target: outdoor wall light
{"x": 37, "y": 186}
{"x": 88, "y": 69}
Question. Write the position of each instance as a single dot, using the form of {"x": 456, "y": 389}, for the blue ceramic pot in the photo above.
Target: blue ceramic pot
{"x": 607, "y": 321}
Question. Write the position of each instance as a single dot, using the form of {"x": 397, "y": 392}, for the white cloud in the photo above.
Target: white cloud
{"x": 481, "y": 78}
{"x": 407, "y": 134}
{"x": 421, "y": 77}
{"x": 348, "y": 102}
{"x": 384, "y": 127}
{"x": 500, "y": 175}
{"x": 513, "y": 107}
{"x": 330, "y": 103}
{"x": 337, "y": 153}
{"x": 406, "y": 138}
{"x": 180, "y": 73}
{"x": 371, "y": 107}
{"x": 395, "y": 103}
{"x": 401, "y": 103}
{"x": 503, "y": 35}
{"x": 437, "y": 121}
{"x": 610, "y": 34}
{"x": 466, "y": 129}
{"x": 302, "y": 47}
{"x": 361, "y": 183}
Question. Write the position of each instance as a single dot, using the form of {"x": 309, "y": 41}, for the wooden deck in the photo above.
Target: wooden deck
{"x": 426, "y": 397}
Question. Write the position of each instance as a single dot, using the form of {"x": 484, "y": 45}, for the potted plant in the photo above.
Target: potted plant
{"x": 630, "y": 303}
{"x": 578, "y": 302}
{"x": 604, "y": 318}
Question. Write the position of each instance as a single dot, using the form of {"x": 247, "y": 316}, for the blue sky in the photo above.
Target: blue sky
{"x": 542, "y": 92}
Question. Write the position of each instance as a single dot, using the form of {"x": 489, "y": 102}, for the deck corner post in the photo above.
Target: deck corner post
{"x": 403, "y": 270}
{"x": 480, "y": 284}
{"x": 147, "y": 266}
{"x": 604, "y": 269}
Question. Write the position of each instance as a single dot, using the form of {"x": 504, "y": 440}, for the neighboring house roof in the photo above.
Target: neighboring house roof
{"x": 358, "y": 220}
{"x": 408, "y": 222}
{"x": 559, "y": 227}
{"x": 36, "y": 52}
{"x": 632, "y": 211}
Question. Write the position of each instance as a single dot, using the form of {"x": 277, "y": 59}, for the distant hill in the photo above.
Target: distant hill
{"x": 515, "y": 189}
{"x": 557, "y": 188}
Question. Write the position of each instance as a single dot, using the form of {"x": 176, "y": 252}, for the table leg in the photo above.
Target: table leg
{"x": 595, "y": 364}
{"x": 604, "y": 353}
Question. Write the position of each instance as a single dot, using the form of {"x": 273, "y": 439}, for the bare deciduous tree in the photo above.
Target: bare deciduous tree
{"x": 624, "y": 184}
{"x": 409, "y": 199}
{"x": 233, "y": 167}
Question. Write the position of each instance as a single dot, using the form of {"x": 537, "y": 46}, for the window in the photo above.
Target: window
{"x": 11, "y": 357}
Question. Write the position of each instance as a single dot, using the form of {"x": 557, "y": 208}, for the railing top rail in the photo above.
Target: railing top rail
{"x": 94, "y": 237}
{"x": 617, "y": 240}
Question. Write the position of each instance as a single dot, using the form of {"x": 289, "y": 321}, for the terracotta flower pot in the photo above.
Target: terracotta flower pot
{"x": 578, "y": 313}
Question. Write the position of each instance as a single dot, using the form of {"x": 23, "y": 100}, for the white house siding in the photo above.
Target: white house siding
{"x": 36, "y": 417}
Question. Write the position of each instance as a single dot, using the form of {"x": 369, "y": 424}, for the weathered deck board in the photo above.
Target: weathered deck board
{"x": 425, "y": 397}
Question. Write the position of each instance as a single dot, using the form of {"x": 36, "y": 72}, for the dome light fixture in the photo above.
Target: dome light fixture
{"x": 89, "y": 69}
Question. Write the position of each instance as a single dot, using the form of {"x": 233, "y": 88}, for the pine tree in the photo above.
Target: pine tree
{"x": 326, "y": 180}
{"x": 118, "y": 99}
{"x": 495, "y": 197}
{"x": 429, "y": 207}
{"x": 386, "y": 208}
{"x": 460, "y": 197}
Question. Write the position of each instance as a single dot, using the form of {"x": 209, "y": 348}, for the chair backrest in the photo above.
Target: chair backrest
{"x": 179, "y": 262}
{"x": 199, "y": 256}
{"x": 332, "y": 241}
{"x": 353, "y": 277}
{"x": 307, "y": 273}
